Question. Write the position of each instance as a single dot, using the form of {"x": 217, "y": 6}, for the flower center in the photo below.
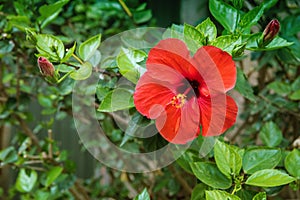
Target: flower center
{"x": 178, "y": 100}
{"x": 189, "y": 89}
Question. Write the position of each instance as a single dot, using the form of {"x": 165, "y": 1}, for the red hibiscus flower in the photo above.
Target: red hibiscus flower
{"x": 187, "y": 95}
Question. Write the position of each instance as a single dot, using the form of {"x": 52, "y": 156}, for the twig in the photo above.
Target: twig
{"x": 28, "y": 132}
{"x": 81, "y": 189}
{"x": 281, "y": 109}
{"x": 181, "y": 180}
{"x": 50, "y": 147}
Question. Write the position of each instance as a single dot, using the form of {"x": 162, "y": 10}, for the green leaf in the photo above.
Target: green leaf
{"x": 276, "y": 43}
{"x": 52, "y": 175}
{"x": 209, "y": 174}
{"x": 227, "y": 15}
{"x": 260, "y": 196}
{"x": 25, "y": 145}
{"x": 292, "y": 163}
{"x": 256, "y": 159}
{"x": 142, "y": 16}
{"x": 8, "y": 155}
{"x": 208, "y": 29}
{"x": 227, "y": 159}
{"x": 83, "y": 72}
{"x": 127, "y": 62}
{"x": 243, "y": 86}
{"x": 227, "y": 42}
{"x": 269, "y": 178}
{"x": 218, "y": 194}
{"x": 270, "y": 134}
{"x": 280, "y": 88}
{"x": 6, "y": 47}
{"x": 87, "y": 48}
{"x": 118, "y": 99}
{"x": 176, "y": 31}
{"x": 50, "y": 46}
{"x": 50, "y": 12}
{"x": 295, "y": 95}
{"x": 69, "y": 53}
{"x": 44, "y": 101}
{"x": 143, "y": 196}
{"x": 199, "y": 192}
{"x": 192, "y": 37}
{"x": 41, "y": 195}
{"x": 25, "y": 182}
{"x": 252, "y": 17}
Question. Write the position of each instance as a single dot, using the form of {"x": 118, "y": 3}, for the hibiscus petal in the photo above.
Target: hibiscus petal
{"x": 179, "y": 126}
{"x": 172, "y": 53}
{"x": 217, "y": 114}
{"x": 216, "y": 67}
{"x": 150, "y": 97}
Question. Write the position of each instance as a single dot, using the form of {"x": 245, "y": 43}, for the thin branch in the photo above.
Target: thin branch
{"x": 28, "y": 132}
{"x": 50, "y": 147}
{"x": 181, "y": 180}
{"x": 281, "y": 109}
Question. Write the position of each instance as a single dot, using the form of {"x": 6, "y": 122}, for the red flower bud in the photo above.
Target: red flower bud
{"x": 271, "y": 31}
{"x": 46, "y": 67}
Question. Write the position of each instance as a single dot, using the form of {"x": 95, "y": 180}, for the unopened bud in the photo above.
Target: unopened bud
{"x": 270, "y": 32}
{"x": 46, "y": 67}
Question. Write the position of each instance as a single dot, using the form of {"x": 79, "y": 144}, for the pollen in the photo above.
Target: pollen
{"x": 178, "y": 100}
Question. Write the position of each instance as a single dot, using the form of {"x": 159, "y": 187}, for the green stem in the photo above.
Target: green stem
{"x": 65, "y": 76}
{"x": 78, "y": 59}
{"x": 125, "y": 8}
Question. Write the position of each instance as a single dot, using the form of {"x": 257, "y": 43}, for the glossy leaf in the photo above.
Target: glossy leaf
{"x": 269, "y": 178}
{"x": 50, "y": 47}
{"x": 50, "y": 12}
{"x": 25, "y": 182}
{"x": 208, "y": 29}
{"x": 227, "y": 15}
{"x": 243, "y": 86}
{"x": 260, "y": 196}
{"x": 199, "y": 192}
{"x": 83, "y": 72}
{"x": 227, "y": 159}
{"x": 270, "y": 134}
{"x": 118, "y": 99}
{"x": 227, "y": 42}
{"x": 142, "y": 16}
{"x": 193, "y": 38}
{"x": 143, "y": 196}
{"x": 69, "y": 53}
{"x": 52, "y": 175}
{"x": 209, "y": 174}
{"x": 292, "y": 163}
{"x": 276, "y": 43}
{"x": 127, "y": 62}
{"x": 8, "y": 155}
{"x": 253, "y": 16}
{"x": 218, "y": 194}
{"x": 87, "y": 49}
{"x": 256, "y": 159}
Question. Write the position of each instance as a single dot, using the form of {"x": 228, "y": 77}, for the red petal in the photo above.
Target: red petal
{"x": 180, "y": 126}
{"x": 172, "y": 53}
{"x": 150, "y": 97}
{"x": 216, "y": 67}
{"x": 217, "y": 114}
